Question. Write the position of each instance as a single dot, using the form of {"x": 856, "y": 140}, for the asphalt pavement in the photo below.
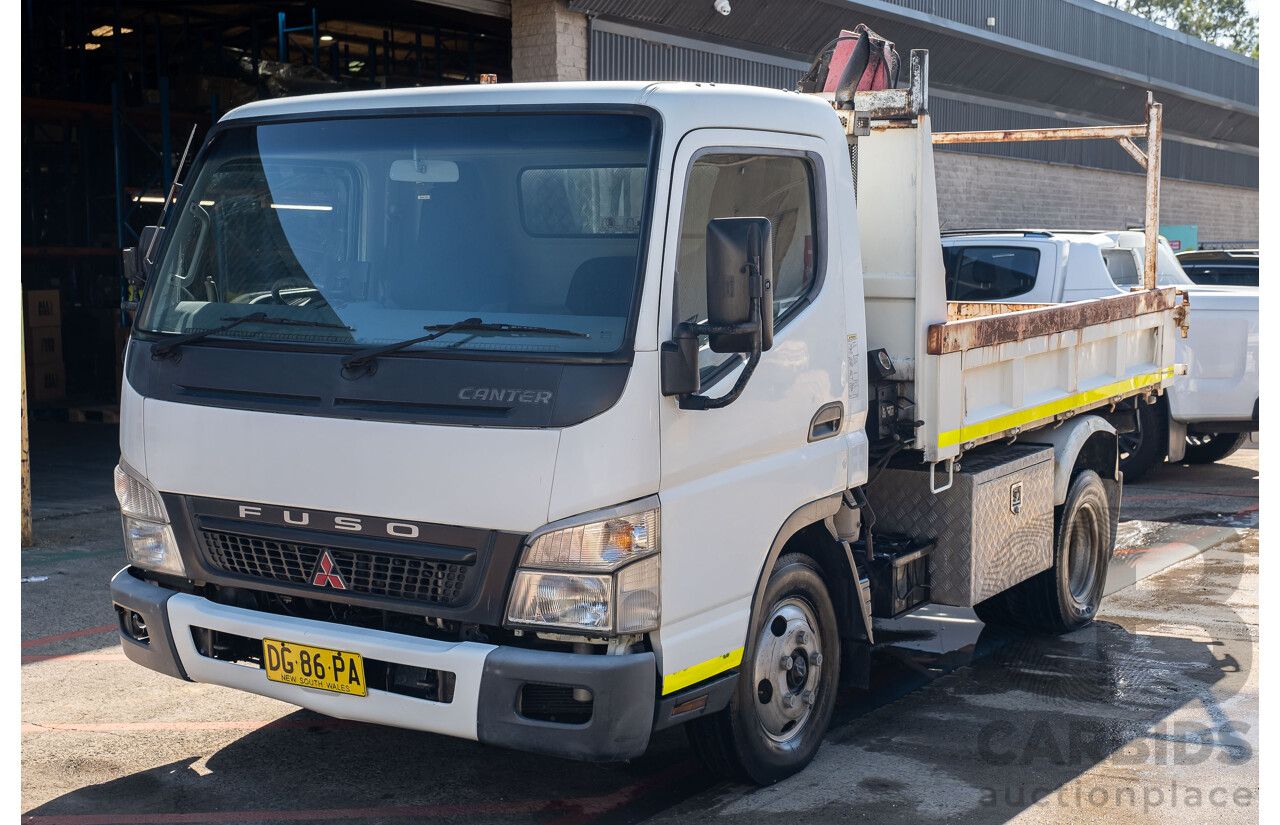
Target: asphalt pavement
{"x": 1148, "y": 715}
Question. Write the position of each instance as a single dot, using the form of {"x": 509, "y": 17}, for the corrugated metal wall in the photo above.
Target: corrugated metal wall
{"x": 1084, "y": 29}
{"x": 619, "y": 57}
{"x": 1095, "y": 32}
{"x": 615, "y": 56}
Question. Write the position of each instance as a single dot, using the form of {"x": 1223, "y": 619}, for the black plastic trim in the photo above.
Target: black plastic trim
{"x": 410, "y": 389}
{"x": 811, "y": 513}
{"x": 149, "y": 601}
{"x": 345, "y": 541}
{"x": 718, "y": 692}
{"x": 623, "y": 687}
{"x": 486, "y": 591}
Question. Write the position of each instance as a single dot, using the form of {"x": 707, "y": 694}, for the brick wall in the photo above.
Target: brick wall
{"x": 548, "y": 42}
{"x": 976, "y": 192}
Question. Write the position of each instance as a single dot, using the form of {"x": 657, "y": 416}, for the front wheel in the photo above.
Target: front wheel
{"x": 1206, "y": 448}
{"x": 786, "y": 689}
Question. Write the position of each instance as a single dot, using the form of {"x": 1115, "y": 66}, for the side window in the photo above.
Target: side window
{"x": 1122, "y": 265}
{"x": 727, "y": 185}
{"x": 990, "y": 273}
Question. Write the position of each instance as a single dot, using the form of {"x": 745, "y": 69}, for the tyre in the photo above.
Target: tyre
{"x": 1206, "y": 448}
{"x": 1066, "y": 596}
{"x": 1147, "y": 446}
{"x": 787, "y": 682}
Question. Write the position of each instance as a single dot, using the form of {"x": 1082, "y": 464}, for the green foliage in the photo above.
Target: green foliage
{"x": 1226, "y": 23}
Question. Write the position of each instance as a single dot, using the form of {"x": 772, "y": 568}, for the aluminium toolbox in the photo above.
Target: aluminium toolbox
{"x": 993, "y": 527}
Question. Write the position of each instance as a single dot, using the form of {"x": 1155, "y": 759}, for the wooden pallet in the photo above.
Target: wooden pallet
{"x": 101, "y": 415}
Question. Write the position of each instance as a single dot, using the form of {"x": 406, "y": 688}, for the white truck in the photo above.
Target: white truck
{"x": 1208, "y": 413}
{"x": 553, "y": 415}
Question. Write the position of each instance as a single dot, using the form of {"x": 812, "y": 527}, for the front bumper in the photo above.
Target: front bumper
{"x": 489, "y": 679}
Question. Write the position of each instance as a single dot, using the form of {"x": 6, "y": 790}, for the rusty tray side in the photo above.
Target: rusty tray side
{"x": 1011, "y": 326}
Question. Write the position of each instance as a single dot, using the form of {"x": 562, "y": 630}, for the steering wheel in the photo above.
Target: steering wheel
{"x": 309, "y": 297}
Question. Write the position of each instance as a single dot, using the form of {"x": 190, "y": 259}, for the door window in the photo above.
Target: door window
{"x": 741, "y": 185}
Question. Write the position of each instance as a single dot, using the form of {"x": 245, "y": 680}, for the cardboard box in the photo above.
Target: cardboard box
{"x": 43, "y": 345}
{"x": 47, "y": 382}
{"x": 43, "y": 308}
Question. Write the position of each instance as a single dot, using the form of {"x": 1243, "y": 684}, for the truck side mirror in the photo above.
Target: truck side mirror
{"x": 739, "y": 311}
{"x": 134, "y": 263}
{"x": 739, "y": 269}
{"x": 131, "y": 266}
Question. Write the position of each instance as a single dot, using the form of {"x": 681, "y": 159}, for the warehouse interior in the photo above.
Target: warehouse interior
{"x": 111, "y": 93}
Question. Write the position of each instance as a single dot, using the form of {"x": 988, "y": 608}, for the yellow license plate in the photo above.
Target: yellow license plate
{"x": 314, "y": 667}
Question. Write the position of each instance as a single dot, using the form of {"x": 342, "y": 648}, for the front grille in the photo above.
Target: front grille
{"x": 375, "y": 574}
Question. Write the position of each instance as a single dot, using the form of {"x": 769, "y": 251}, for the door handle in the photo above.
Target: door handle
{"x": 826, "y": 421}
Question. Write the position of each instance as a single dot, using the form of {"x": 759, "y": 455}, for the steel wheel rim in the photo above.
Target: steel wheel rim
{"x": 1129, "y": 443}
{"x": 787, "y": 669}
{"x": 1082, "y": 546}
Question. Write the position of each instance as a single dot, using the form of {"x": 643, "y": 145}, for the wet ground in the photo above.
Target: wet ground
{"x": 1148, "y": 715}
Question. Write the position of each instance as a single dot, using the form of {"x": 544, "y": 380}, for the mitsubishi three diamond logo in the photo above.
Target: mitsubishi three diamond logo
{"x": 326, "y": 574}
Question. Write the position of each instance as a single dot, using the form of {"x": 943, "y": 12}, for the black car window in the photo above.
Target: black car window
{"x": 989, "y": 273}
{"x": 1215, "y": 274}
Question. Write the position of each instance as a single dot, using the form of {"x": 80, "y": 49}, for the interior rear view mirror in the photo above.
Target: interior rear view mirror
{"x": 422, "y": 170}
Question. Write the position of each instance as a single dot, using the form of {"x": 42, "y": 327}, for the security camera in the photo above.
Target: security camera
{"x": 722, "y": 6}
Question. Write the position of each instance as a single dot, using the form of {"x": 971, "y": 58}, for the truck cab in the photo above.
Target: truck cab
{"x": 504, "y": 491}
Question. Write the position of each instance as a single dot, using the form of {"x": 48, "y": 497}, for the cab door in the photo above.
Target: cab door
{"x": 732, "y": 476}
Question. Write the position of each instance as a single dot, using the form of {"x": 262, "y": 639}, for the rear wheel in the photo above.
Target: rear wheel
{"x": 1066, "y": 596}
{"x": 786, "y": 689}
{"x": 1206, "y": 448}
{"x": 1147, "y": 446}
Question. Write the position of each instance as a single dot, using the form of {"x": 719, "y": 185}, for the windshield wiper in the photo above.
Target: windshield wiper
{"x": 167, "y": 348}
{"x": 477, "y": 324}
{"x": 364, "y": 357}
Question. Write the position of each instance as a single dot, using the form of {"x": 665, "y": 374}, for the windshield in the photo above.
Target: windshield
{"x": 379, "y": 227}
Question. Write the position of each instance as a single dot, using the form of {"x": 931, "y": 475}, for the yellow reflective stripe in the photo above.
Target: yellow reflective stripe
{"x": 693, "y": 675}
{"x": 1017, "y": 419}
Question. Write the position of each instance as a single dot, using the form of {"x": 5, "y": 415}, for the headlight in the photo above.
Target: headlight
{"x": 596, "y": 574}
{"x": 151, "y": 546}
{"x": 148, "y": 539}
{"x": 563, "y": 600}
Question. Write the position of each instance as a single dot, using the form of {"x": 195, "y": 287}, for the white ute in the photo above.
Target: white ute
{"x": 1208, "y": 413}
{"x": 553, "y": 415}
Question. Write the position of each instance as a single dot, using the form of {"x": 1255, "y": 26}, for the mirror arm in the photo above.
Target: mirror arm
{"x": 701, "y": 402}
{"x": 688, "y": 330}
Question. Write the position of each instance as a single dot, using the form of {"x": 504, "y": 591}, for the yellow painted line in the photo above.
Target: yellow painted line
{"x": 697, "y": 673}
{"x": 1017, "y": 419}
